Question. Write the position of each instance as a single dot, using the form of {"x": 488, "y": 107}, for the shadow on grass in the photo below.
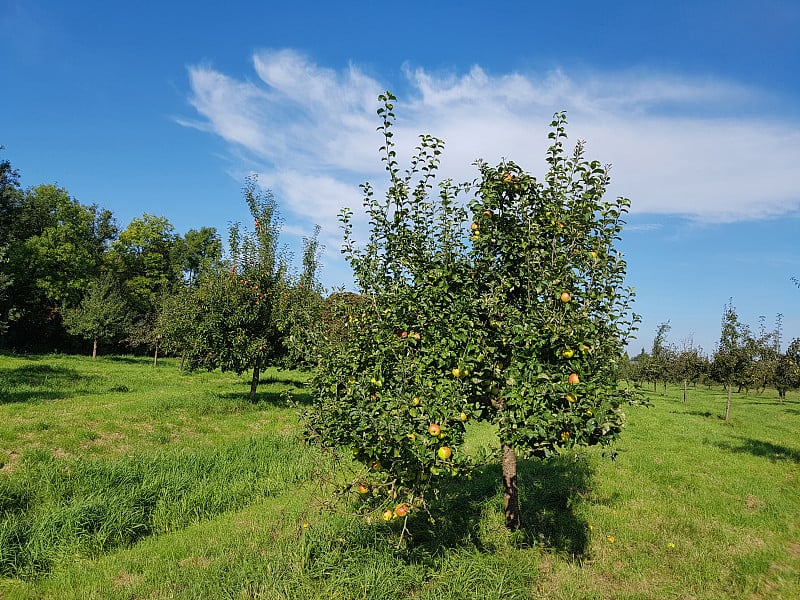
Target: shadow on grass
{"x": 774, "y": 452}
{"x": 468, "y": 516}
{"x": 280, "y": 399}
{"x": 547, "y": 491}
{"x": 34, "y": 382}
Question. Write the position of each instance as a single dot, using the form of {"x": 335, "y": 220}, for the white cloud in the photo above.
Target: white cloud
{"x": 680, "y": 146}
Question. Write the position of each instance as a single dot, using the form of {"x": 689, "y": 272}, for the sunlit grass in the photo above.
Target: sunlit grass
{"x": 181, "y": 488}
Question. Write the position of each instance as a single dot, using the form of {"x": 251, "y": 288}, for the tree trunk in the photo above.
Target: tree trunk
{"x": 94, "y": 349}
{"x": 684, "y": 390}
{"x": 728, "y": 404}
{"x": 510, "y": 489}
{"x": 254, "y": 382}
{"x": 155, "y": 357}
{"x": 183, "y": 358}
{"x": 665, "y": 388}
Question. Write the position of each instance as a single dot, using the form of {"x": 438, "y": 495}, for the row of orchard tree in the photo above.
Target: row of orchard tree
{"x": 743, "y": 360}
{"x": 70, "y": 278}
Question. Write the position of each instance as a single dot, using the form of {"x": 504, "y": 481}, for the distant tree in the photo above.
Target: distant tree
{"x": 731, "y": 358}
{"x": 10, "y": 196}
{"x": 688, "y": 365}
{"x": 764, "y": 351}
{"x": 102, "y": 316}
{"x": 656, "y": 365}
{"x": 5, "y": 282}
{"x": 55, "y": 247}
{"x": 176, "y": 321}
{"x": 787, "y": 370}
{"x": 300, "y": 310}
{"x": 197, "y": 251}
{"x": 144, "y": 259}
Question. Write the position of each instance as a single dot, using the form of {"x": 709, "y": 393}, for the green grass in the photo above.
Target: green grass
{"x": 123, "y": 481}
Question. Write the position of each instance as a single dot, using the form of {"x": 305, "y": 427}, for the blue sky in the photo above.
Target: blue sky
{"x": 164, "y": 107}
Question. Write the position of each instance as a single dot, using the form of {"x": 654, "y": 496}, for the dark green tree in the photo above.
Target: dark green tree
{"x": 55, "y": 248}
{"x": 102, "y": 316}
{"x": 787, "y": 370}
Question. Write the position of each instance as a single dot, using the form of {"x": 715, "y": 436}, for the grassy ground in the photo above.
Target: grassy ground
{"x": 118, "y": 480}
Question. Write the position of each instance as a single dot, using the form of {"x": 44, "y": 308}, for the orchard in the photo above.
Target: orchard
{"x": 501, "y": 300}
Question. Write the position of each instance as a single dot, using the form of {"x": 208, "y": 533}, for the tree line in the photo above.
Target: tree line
{"x": 743, "y": 360}
{"x": 70, "y": 279}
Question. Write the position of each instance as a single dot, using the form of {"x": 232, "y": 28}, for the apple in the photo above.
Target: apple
{"x": 565, "y": 296}
{"x": 415, "y": 335}
{"x": 508, "y": 178}
{"x": 388, "y": 514}
{"x": 456, "y": 372}
{"x": 434, "y": 429}
{"x": 487, "y": 213}
{"x": 463, "y": 416}
{"x": 573, "y": 379}
{"x": 444, "y": 453}
{"x": 474, "y": 226}
{"x": 568, "y": 353}
{"x": 415, "y": 401}
{"x": 571, "y": 398}
{"x": 376, "y": 466}
{"x": 401, "y": 510}
{"x": 363, "y": 488}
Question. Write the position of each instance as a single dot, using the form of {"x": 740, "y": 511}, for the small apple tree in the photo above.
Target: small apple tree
{"x": 235, "y": 310}
{"x": 510, "y": 308}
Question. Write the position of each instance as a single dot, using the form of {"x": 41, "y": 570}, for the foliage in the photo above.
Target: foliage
{"x": 102, "y": 316}
{"x": 143, "y": 259}
{"x": 55, "y": 248}
{"x": 237, "y": 312}
{"x": 787, "y": 370}
{"x": 512, "y": 310}
{"x": 300, "y": 310}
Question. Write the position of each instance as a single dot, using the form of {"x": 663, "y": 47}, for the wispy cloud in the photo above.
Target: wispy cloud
{"x": 680, "y": 146}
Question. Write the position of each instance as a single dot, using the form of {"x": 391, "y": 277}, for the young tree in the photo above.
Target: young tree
{"x": 237, "y": 311}
{"x": 102, "y": 316}
{"x": 512, "y": 311}
{"x": 731, "y": 358}
{"x": 688, "y": 365}
{"x": 787, "y": 370}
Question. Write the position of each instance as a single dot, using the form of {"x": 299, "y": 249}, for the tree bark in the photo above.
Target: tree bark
{"x": 94, "y": 349}
{"x": 728, "y": 404}
{"x": 254, "y": 382}
{"x": 510, "y": 489}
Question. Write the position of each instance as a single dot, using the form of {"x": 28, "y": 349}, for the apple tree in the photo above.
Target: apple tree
{"x": 501, "y": 301}
{"x": 234, "y": 309}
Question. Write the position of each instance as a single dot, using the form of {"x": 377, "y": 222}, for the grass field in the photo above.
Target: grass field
{"x": 120, "y": 480}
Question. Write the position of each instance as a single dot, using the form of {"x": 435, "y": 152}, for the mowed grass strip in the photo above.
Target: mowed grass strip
{"x": 686, "y": 505}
